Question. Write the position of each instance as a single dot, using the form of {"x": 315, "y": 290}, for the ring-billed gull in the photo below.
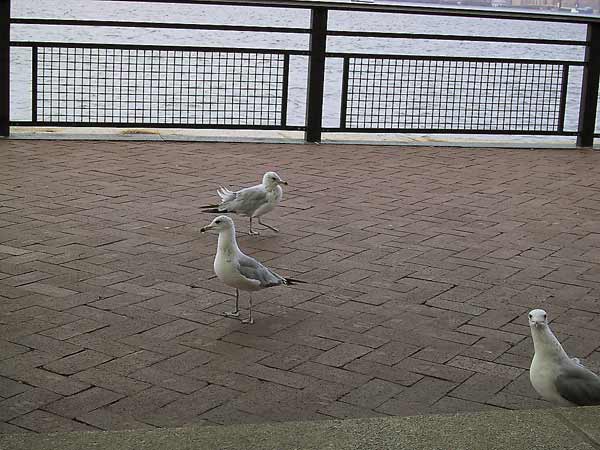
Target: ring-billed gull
{"x": 555, "y": 376}
{"x": 254, "y": 202}
{"x": 238, "y": 270}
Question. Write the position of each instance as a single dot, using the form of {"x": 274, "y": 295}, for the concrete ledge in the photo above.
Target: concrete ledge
{"x": 293, "y": 137}
{"x": 550, "y": 429}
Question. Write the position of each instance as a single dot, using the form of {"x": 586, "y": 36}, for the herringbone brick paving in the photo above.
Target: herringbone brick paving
{"x": 421, "y": 264}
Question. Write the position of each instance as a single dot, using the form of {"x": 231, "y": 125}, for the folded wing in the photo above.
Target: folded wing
{"x": 254, "y": 270}
{"x": 578, "y": 385}
{"x": 245, "y": 201}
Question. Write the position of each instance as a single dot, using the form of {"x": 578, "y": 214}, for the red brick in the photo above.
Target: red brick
{"x": 131, "y": 362}
{"x": 480, "y": 387}
{"x": 111, "y": 381}
{"x": 199, "y": 402}
{"x": 391, "y": 353}
{"x": 83, "y": 402}
{"x": 422, "y": 394}
{"x": 290, "y": 357}
{"x": 45, "y": 422}
{"x": 432, "y": 369}
{"x": 373, "y": 369}
{"x": 49, "y": 345}
{"x": 77, "y": 362}
{"x": 343, "y": 410}
{"x": 25, "y": 402}
{"x": 168, "y": 380}
{"x": 73, "y": 329}
{"x": 184, "y": 362}
{"x": 332, "y": 374}
{"x": 106, "y": 420}
{"x": 342, "y": 354}
{"x": 9, "y": 387}
{"x": 372, "y": 394}
{"x": 144, "y": 402}
{"x": 295, "y": 380}
{"x": 486, "y": 367}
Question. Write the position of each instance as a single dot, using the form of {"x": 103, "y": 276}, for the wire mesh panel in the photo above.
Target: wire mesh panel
{"x": 204, "y": 88}
{"x": 455, "y": 95}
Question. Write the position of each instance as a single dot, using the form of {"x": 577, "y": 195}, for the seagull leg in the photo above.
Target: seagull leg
{"x": 252, "y": 232}
{"x": 235, "y": 313}
{"x": 250, "y": 319}
{"x": 268, "y": 226}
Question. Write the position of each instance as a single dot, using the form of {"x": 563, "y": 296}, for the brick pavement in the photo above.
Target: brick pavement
{"x": 421, "y": 263}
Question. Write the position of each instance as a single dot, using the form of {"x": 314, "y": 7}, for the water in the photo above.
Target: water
{"x": 218, "y": 14}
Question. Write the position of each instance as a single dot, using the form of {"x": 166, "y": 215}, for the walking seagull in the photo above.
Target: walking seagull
{"x": 555, "y": 376}
{"x": 255, "y": 201}
{"x": 238, "y": 270}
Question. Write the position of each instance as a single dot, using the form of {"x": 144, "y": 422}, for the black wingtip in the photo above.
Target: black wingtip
{"x": 213, "y": 210}
{"x": 290, "y": 281}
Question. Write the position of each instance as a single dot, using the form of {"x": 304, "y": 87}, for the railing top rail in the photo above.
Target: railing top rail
{"x": 290, "y": 30}
{"x": 172, "y": 25}
{"x": 184, "y": 48}
{"x": 392, "y": 8}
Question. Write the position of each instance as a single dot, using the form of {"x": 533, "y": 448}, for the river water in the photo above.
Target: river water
{"x": 214, "y": 14}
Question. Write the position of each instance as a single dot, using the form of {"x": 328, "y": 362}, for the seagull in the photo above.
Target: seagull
{"x": 555, "y": 376}
{"x": 238, "y": 270}
{"x": 253, "y": 201}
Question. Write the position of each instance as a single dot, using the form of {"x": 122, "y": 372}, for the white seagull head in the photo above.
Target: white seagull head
{"x": 219, "y": 224}
{"x": 272, "y": 179}
{"x": 538, "y": 318}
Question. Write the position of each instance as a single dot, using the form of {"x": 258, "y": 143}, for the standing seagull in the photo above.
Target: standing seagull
{"x": 238, "y": 270}
{"x": 555, "y": 376}
{"x": 253, "y": 201}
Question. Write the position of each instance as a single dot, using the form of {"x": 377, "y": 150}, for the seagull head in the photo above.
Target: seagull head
{"x": 272, "y": 179}
{"x": 538, "y": 318}
{"x": 220, "y": 223}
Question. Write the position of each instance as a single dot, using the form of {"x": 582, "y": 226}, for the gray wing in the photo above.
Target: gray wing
{"x": 247, "y": 200}
{"x": 578, "y": 385}
{"x": 253, "y": 270}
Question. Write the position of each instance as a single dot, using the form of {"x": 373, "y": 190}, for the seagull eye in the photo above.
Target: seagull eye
{"x": 544, "y": 316}
{"x": 217, "y": 221}
{"x": 531, "y": 316}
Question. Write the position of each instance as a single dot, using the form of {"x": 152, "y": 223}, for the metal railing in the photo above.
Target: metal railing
{"x": 126, "y": 85}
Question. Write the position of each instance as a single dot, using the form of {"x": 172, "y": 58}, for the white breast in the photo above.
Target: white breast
{"x": 273, "y": 198}
{"x": 226, "y": 270}
{"x": 542, "y": 375}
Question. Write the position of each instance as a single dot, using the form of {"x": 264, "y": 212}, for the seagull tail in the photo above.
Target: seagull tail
{"x": 290, "y": 281}
{"x": 225, "y": 193}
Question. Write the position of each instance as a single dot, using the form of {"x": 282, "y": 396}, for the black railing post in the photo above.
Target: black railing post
{"x": 316, "y": 75}
{"x": 4, "y": 67}
{"x": 589, "y": 88}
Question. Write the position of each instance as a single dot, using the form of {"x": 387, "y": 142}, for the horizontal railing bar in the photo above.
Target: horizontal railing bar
{"x": 182, "y": 26}
{"x": 41, "y": 123}
{"x": 291, "y": 30}
{"x": 390, "y": 8}
{"x": 156, "y": 47}
{"x": 447, "y": 131}
{"x": 452, "y": 58}
{"x": 446, "y": 37}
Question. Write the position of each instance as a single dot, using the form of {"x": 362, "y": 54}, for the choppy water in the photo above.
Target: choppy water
{"x": 213, "y": 14}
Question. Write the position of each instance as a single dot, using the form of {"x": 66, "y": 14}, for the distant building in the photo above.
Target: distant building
{"x": 594, "y": 4}
{"x": 568, "y": 4}
{"x": 535, "y": 3}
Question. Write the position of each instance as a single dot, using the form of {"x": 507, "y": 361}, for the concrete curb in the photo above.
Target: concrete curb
{"x": 551, "y": 429}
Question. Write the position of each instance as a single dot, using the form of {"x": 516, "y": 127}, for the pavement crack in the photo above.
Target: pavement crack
{"x": 575, "y": 429}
